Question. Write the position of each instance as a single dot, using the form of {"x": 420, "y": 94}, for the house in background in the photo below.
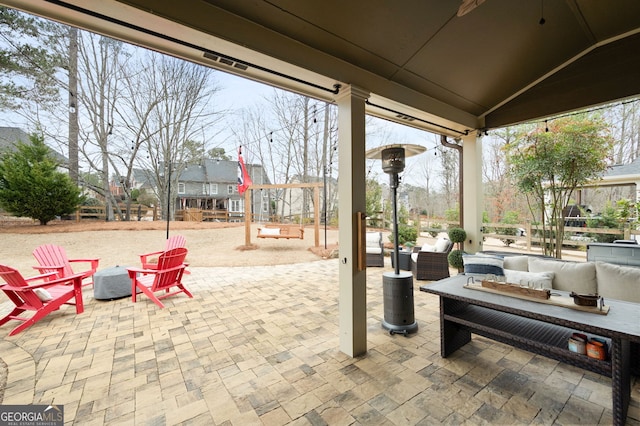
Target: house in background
{"x": 293, "y": 205}
{"x": 209, "y": 191}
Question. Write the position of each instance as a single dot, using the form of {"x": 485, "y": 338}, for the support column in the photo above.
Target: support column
{"x": 351, "y": 194}
{"x": 472, "y": 197}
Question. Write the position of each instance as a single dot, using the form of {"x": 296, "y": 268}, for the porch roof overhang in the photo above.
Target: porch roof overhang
{"x": 424, "y": 65}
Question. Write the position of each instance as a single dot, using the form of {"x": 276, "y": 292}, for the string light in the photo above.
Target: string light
{"x": 584, "y": 111}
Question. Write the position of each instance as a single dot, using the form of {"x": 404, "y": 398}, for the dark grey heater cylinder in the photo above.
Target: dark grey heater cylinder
{"x": 397, "y": 290}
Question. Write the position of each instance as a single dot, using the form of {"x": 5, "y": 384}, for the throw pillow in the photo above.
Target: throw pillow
{"x": 442, "y": 245}
{"x": 373, "y": 239}
{"x": 516, "y": 263}
{"x": 428, "y": 247}
{"x": 618, "y": 282}
{"x": 270, "y": 231}
{"x": 482, "y": 265}
{"x": 43, "y": 294}
{"x": 537, "y": 279}
{"x": 568, "y": 276}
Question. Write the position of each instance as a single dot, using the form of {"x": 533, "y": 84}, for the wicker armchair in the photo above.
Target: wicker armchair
{"x": 429, "y": 265}
{"x": 374, "y": 249}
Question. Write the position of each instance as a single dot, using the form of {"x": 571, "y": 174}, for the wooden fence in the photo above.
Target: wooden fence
{"x": 574, "y": 236}
{"x": 137, "y": 212}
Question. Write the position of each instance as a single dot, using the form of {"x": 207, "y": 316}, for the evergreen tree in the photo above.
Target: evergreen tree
{"x": 27, "y": 66}
{"x": 31, "y": 186}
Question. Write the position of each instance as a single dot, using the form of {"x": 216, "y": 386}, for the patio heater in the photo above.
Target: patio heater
{"x": 397, "y": 287}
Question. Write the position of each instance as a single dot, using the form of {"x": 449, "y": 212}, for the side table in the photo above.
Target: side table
{"x": 111, "y": 283}
{"x": 404, "y": 260}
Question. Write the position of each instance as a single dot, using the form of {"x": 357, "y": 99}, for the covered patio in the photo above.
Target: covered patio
{"x": 456, "y": 68}
{"x": 259, "y": 345}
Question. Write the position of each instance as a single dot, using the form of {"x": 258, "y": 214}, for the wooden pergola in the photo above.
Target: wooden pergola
{"x": 316, "y": 201}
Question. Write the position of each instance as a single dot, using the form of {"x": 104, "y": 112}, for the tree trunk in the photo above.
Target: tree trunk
{"x": 73, "y": 105}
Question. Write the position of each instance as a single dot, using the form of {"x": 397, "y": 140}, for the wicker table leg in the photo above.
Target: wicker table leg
{"x": 452, "y": 336}
{"x": 620, "y": 379}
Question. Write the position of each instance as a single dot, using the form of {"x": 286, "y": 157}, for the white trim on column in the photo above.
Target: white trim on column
{"x": 472, "y": 196}
{"x": 351, "y": 197}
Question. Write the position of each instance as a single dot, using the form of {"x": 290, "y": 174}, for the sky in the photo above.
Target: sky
{"x": 237, "y": 92}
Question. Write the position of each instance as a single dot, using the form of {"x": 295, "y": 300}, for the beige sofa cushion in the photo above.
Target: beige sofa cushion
{"x": 568, "y": 276}
{"x": 618, "y": 282}
{"x": 516, "y": 263}
{"x": 537, "y": 279}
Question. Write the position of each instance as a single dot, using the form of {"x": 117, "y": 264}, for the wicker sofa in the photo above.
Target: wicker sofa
{"x": 611, "y": 281}
{"x": 430, "y": 262}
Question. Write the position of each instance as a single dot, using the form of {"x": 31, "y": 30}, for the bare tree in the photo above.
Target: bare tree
{"x": 449, "y": 178}
{"x": 100, "y": 64}
{"x": 169, "y": 104}
{"x": 625, "y": 125}
{"x": 294, "y": 138}
{"x": 499, "y": 189}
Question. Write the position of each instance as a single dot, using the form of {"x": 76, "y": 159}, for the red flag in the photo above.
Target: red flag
{"x": 244, "y": 181}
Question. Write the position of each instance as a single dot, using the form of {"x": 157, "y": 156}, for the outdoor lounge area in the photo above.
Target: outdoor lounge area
{"x": 259, "y": 345}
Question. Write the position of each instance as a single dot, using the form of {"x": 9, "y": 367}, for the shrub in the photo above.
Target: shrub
{"x": 510, "y": 218}
{"x": 406, "y": 234}
{"x": 455, "y": 259}
{"x": 457, "y": 235}
{"x": 434, "y": 229}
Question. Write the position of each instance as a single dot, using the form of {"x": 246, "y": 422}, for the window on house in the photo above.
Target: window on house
{"x": 231, "y": 189}
{"x": 213, "y": 187}
{"x": 265, "y": 206}
{"x": 181, "y": 188}
{"x": 235, "y": 206}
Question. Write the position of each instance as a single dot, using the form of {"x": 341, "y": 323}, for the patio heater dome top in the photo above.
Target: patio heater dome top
{"x": 393, "y": 156}
{"x": 410, "y": 150}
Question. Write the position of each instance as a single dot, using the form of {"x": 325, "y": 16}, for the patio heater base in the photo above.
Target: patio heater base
{"x": 397, "y": 290}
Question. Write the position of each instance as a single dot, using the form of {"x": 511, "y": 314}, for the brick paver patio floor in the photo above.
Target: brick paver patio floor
{"x": 259, "y": 345}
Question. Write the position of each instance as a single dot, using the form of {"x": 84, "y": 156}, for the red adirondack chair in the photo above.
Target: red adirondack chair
{"x": 53, "y": 258}
{"x": 148, "y": 260}
{"x": 24, "y": 294}
{"x": 168, "y": 274}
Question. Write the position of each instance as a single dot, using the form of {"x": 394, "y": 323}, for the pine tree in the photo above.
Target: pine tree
{"x": 31, "y": 186}
{"x": 27, "y": 64}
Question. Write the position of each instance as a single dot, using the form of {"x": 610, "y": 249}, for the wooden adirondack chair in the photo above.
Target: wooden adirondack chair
{"x": 22, "y": 292}
{"x": 53, "y": 258}
{"x": 168, "y": 274}
{"x": 172, "y": 242}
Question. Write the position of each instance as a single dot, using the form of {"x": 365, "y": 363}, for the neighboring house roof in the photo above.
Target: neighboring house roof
{"x": 620, "y": 174}
{"x": 10, "y": 136}
{"x": 219, "y": 171}
{"x": 631, "y": 170}
{"x": 142, "y": 178}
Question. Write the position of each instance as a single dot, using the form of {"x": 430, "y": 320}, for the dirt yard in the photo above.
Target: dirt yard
{"x": 120, "y": 243}
{"x": 209, "y": 243}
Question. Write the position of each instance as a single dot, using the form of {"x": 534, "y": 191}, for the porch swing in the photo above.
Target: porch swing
{"x": 281, "y": 230}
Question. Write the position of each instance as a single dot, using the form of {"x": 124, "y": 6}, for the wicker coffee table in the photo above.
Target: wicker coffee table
{"x": 542, "y": 329}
